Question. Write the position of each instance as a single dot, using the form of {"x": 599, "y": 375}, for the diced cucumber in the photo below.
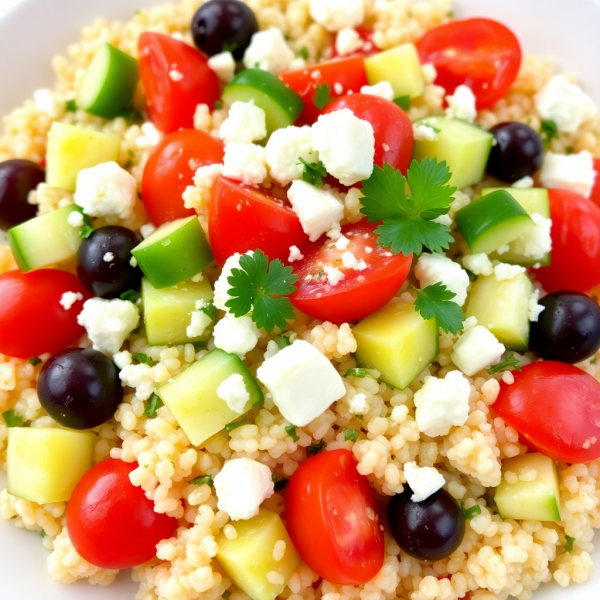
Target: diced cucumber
{"x": 401, "y": 67}
{"x": 281, "y": 104}
{"x": 109, "y": 83}
{"x": 45, "y": 464}
{"x": 398, "y": 342}
{"x": 174, "y": 252}
{"x": 465, "y": 148}
{"x": 530, "y": 499}
{"x": 503, "y": 307}
{"x": 45, "y": 240}
{"x": 167, "y": 312}
{"x": 72, "y": 149}
{"x": 248, "y": 559}
{"x": 192, "y": 395}
{"x": 492, "y": 221}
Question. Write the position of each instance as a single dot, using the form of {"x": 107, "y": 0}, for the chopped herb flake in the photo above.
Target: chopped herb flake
{"x": 34, "y": 360}
{"x": 12, "y": 419}
{"x": 357, "y": 373}
{"x": 43, "y": 534}
{"x": 218, "y": 104}
{"x": 204, "y": 480}
{"x": 303, "y": 53}
{"x": 403, "y": 102}
{"x": 316, "y": 447}
{"x": 322, "y": 96}
{"x": 230, "y": 47}
{"x": 209, "y": 310}
{"x": 291, "y": 431}
{"x": 143, "y": 358}
{"x": 231, "y": 426}
{"x": 131, "y": 296}
{"x": 351, "y": 435}
{"x": 283, "y": 341}
{"x": 70, "y": 106}
{"x": 569, "y": 543}
{"x": 472, "y": 276}
{"x": 512, "y": 362}
{"x": 313, "y": 173}
{"x": 86, "y": 231}
{"x": 469, "y": 513}
{"x": 154, "y": 404}
{"x": 594, "y": 360}
{"x": 548, "y": 132}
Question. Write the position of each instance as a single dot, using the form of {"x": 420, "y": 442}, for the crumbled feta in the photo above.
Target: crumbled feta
{"x": 302, "y": 382}
{"x": 175, "y": 75}
{"x": 504, "y": 271}
{"x": 199, "y": 321}
{"x": 246, "y": 122}
{"x": 478, "y": 264}
{"x": 150, "y": 136}
{"x": 537, "y": 242}
{"x": 564, "y": 103}
{"x": 318, "y": 210}
{"x": 272, "y": 349}
{"x": 242, "y": 485}
{"x": 268, "y": 51}
{"x": 108, "y": 322}
{"x": 123, "y": 359}
{"x": 223, "y": 64}
{"x": 335, "y": 233}
{"x": 351, "y": 262}
{"x": 359, "y": 405}
{"x": 284, "y": 150}
{"x": 69, "y": 298}
{"x": 348, "y": 41}
{"x": 222, "y": 287}
{"x": 503, "y": 249}
{"x": 461, "y": 105}
{"x": 535, "y": 309}
{"x": 205, "y": 178}
{"x": 202, "y": 118}
{"x": 442, "y": 403}
{"x": 335, "y": 15}
{"x": 443, "y": 220}
{"x": 342, "y": 243}
{"x": 523, "y": 183}
{"x": 421, "y": 131}
{"x": 334, "y": 275}
{"x": 138, "y": 377}
{"x": 245, "y": 162}
{"x": 108, "y": 257}
{"x": 476, "y": 349}
{"x": 47, "y": 102}
{"x": 75, "y": 219}
{"x": 147, "y": 230}
{"x": 383, "y": 89}
{"x": 106, "y": 190}
{"x": 429, "y": 73}
{"x": 434, "y": 268}
{"x": 236, "y": 335}
{"x": 346, "y": 145}
{"x": 573, "y": 172}
{"x": 233, "y": 391}
{"x": 423, "y": 481}
{"x": 295, "y": 254}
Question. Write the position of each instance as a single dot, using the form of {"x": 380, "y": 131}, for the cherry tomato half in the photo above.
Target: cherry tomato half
{"x": 575, "y": 244}
{"x": 479, "y": 53}
{"x": 176, "y": 79}
{"x": 111, "y": 522}
{"x": 361, "y": 292}
{"x": 32, "y": 320}
{"x": 332, "y": 519}
{"x": 170, "y": 169}
{"x": 392, "y": 127}
{"x": 368, "y": 47}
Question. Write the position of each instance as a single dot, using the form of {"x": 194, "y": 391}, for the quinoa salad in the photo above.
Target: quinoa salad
{"x": 299, "y": 301}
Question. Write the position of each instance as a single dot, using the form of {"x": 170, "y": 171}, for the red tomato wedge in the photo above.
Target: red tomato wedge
{"x": 242, "y": 218}
{"x": 556, "y": 408}
{"x": 479, "y": 53}
{"x": 360, "y": 292}
{"x": 368, "y": 47}
{"x": 170, "y": 169}
{"x": 176, "y": 78}
{"x": 342, "y": 76}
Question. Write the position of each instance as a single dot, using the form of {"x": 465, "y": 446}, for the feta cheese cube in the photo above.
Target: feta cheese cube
{"x": 478, "y": 264}
{"x": 476, "y": 349}
{"x": 69, "y": 298}
{"x": 424, "y": 132}
{"x": 139, "y": 378}
{"x": 302, "y": 382}
{"x": 348, "y": 41}
{"x": 246, "y": 122}
{"x": 442, "y": 403}
{"x": 242, "y": 485}
{"x": 295, "y": 254}
{"x": 537, "y": 242}
{"x": 423, "y": 481}
{"x": 334, "y": 15}
{"x": 461, "y": 105}
{"x": 236, "y": 335}
{"x": 318, "y": 210}
{"x": 504, "y": 272}
{"x": 573, "y": 172}
{"x": 434, "y": 268}
{"x": 106, "y": 190}
{"x": 245, "y": 162}
{"x": 233, "y": 391}
{"x": 222, "y": 287}
{"x": 284, "y": 150}
{"x": 383, "y": 89}
{"x": 268, "y": 51}
{"x": 223, "y": 64}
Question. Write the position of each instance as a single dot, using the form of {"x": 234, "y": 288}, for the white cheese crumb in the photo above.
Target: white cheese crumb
{"x": 272, "y": 349}
{"x": 150, "y": 136}
{"x": 348, "y": 40}
{"x": 175, "y": 75}
{"x": 49, "y": 103}
{"x": 383, "y": 89}
{"x": 233, "y": 391}
{"x": 573, "y": 172}
{"x": 421, "y": 131}
{"x": 429, "y": 73}
{"x": 523, "y": 183}
{"x": 359, "y": 404}
{"x": 536, "y": 242}
{"x": 236, "y": 335}
{"x": 535, "y": 309}
{"x": 351, "y": 262}
{"x": 222, "y": 287}
{"x": 476, "y": 349}
{"x": 434, "y": 268}
{"x": 75, "y": 219}
{"x": 334, "y": 275}
{"x": 199, "y": 321}
{"x": 505, "y": 272}
{"x": 139, "y": 377}
{"x": 268, "y": 51}
{"x": 508, "y": 378}
{"x": 284, "y": 150}
{"x": 223, "y": 65}
{"x": 69, "y": 298}
{"x": 108, "y": 257}
{"x": 295, "y": 254}
{"x": 342, "y": 243}
{"x": 443, "y": 220}
{"x": 478, "y": 264}
{"x": 461, "y": 105}
{"x": 423, "y": 481}
{"x": 147, "y": 230}
{"x": 202, "y": 118}
{"x": 245, "y": 162}
{"x": 123, "y": 359}
{"x": 335, "y": 15}
{"x": 246, "y": 122}
{"x": 133, "y": 261}
{"x": 335, "y": 233}
{"x": 368, "y": 250}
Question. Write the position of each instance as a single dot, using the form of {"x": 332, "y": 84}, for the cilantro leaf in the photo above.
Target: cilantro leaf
{"x": 510, "y": 362}
{"x": 153, "y": 406}
{"x": 351, "y": 435}
{"x": 411, "y": 235}
{"x": 34, "y": 360}
{"x": 469, "y": 513}
{"x": 203, "y": 480}
{"x": 303, "y": 53}
{"x": 258, "y": 286}
{"x": 70, "y": 106}
{"x": 316, "y": 447}
{"x": 435, "y": 301}
{"x": 403, "y": 102}
{"x": 231, "y": 426}
{"x": 357, "y": 373}
{"x": 291, "y": 431}
{"x": 313, "y": 173}
{"x": 12, "y": 419}
{"x": 209, "y": 310}
{"x": 86, "y": 231}
{"x": 569, "y": 543}
{"x": 143, "y": 358}
{"x": 322, "y": 96}
{"x": 548, "y": 132}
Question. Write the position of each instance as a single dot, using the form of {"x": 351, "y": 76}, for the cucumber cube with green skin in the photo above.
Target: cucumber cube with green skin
{"x": 492, "y": 221}
{"x": 173, "y": 253}
{"x": 502, "y": 307}
{"x": 72, "y": 149}
{"x": 465, "y": 148}
{"x": 192, "y": 396}
{"x": 248, "y": 559}
{"x": 168, "y": 311}
{"x": 281, "y": 104}
{"x": 399, "y": 66}
{"x": 45, "y": 464}
{"x": 398, "y": 342}
{"x": 45, "y": 240}
{"x": 535, "y": 498}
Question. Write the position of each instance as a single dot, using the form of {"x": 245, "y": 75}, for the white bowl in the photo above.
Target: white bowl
{"x": 35, "y": 30}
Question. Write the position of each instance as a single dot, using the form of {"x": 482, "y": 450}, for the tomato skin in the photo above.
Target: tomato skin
{"x": 111, "y": 522}
{"x": 348, "y": 72}
{"x": 360, "y": 293}
{"x": 242, "y": 218}
{"x": 479, "y": 53}
{"x": 171, "y": 104}
{"x": 556, "y": 409}
{"x": 170, "y": 169}
{"x": 575, "y": 244}
{"x": 392, "y": 127}
{"x": 595, "y": 195}
{"x": 368, "y": 48}
{"x": 32, "y": 320}
{"x": 327, "y": 510}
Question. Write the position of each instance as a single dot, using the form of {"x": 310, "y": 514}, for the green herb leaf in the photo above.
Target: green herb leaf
{"x": 351, "y": 435}
{"x": 70, "y": 106}
{"x": 86, "y": 231}
{"x": 403, "y": 102}
{"x": 313, "y": 173}
{"x": 548, "y": 131}
{"x": 594, "y": 360}
{"x": 512, "y": 362}
{"x": 218, "y": 104}
{"x": 204, "y": 480}
{"x": 43, "y": 534}
{"x": 469, "y": 513}
{"x": 303, "y": 53}
{"x": 258, "y": 286}
{"x": 472, "y": 276}
{"x": 154, "y": 404}
{"x": 34, "y": 360}
{"x": 143, "y": 358}
{"x": 569, "y": 150}
{"x": 209, "y": 310}
{"x": 283, "y": 341}
{"x": 291, "y": 431}
{"x": 435, "y": 301}
{"x": 230, "y": 47}
{"x": 322, "y": 96}
{"x": 357, "y": 373}
{"x": 316, "y": 447}
{"x": 131, "y": 296}
{"x": 12, "y": 419}
{"x": 569, "y": 543}
{"x": 231, "y": 426}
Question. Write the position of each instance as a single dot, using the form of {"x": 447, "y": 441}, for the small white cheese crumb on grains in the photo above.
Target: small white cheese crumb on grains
{"x": 348, "y": 40}
{"x": 383, "y": 89}
{"x": 476, "y": 349}
{"x": 233, "y": 391}
{"x": 236, "y": 335}
{"x": 49, "y": 103}
{"x": 335, "y": 15}
{"x": 537, "y": 242}
{"x": 199, "y": 321}
{"x": 123, "y": 359}
{"x": 358, "y": 404}
{"x": 295, "y": 254}
{"x": 69, "y": 298}
{"x": 246, "y": 122}
{"x": 523, "y": 183}
{"x": 139, "y": 377}
{"x": 421, "y": 131}
{"x": 108, "y": 257}
{"x": 434, "y": 268}
{"x": 223, "y": 65}
{"x": 175, "y": 75}
{"x": 423, "y": 481}
{"x": 573, "y": 172}
{"x": 202, "y": 118}
{"x": 334, "y": 275}
{"x": 461, "y": 104}
{"x": 429, "y": 73}
{"x": 150, "y": 136}
{"x": 75, "y": 219}
{"x": 268, "y": 51}
{"x": 245, "y": 162}
{"x": 284, "y": 150}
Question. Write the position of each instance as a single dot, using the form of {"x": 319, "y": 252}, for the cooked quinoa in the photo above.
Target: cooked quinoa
{"x": 496, "y": 559}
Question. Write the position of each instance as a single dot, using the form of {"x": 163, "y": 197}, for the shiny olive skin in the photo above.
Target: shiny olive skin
{"x": 518, "y": 152}
{"x": 18, "y": 178}
{"x": 429, "y": 530}
{"x": 109, "y": 279}
{"x": 221, "y": 25}
{"x": 568, "y": 330}
{"x": 80, "y": 388}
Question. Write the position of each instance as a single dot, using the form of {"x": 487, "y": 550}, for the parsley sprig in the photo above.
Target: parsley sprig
{"x": 313, "y": 173}
{"x": 408, "y": 219}
{"x": 322, "y": 96}
{"x": 435, "y": 301}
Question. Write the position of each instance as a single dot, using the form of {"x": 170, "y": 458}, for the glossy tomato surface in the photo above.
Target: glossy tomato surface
{"x": 479, "y": 53}
{"x": 32, "y": 320}
{"x": 361, "y": 292}
{"x": 575, "y": 244}
{"x": 176, "y": 78}
{"x": 111, "y": 522}
{"x": 170, "y": 169}
{"x": 367, "y": 45}
{"x": 556, "y": 409}
{"x": 332, "y": 518}
{"x": 392, "y": 127}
